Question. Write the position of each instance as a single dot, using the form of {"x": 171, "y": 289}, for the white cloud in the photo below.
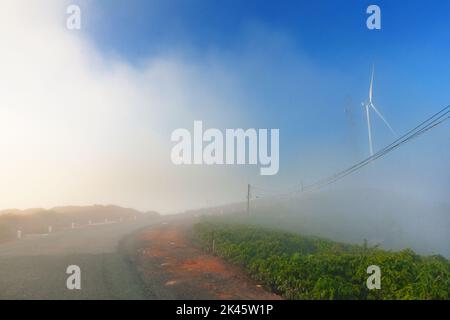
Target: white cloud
{"x": 76, "y": 127}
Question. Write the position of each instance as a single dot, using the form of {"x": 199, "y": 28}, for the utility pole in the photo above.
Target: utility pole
{"x": 248, "y": 199}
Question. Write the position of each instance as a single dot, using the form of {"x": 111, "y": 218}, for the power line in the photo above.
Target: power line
{"x": 426, "y": 125}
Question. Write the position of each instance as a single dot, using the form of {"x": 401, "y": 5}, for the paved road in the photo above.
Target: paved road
{"x": 35, "y": 268}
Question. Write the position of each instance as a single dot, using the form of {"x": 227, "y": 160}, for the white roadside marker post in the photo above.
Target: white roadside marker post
{"x": 19, "y": 234}
{"x": 50, "y": 229}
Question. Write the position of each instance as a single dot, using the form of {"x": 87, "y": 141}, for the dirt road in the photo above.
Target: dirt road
{"x": 173, "y": 268}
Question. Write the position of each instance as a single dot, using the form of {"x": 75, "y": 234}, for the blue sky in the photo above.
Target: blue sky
{"x": 299, "y": 64}
{"x": 331, "y": 32}
{"x": 410, "y": 52}
{"x": 320, "y": 27}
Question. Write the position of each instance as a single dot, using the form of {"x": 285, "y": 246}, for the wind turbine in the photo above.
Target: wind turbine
{"x": 369, "y": 104}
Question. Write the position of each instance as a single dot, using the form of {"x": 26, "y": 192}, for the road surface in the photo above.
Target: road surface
{"x": 35, "y": 268}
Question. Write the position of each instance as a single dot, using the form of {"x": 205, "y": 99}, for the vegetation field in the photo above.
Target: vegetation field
{"x": 300, "y": 267}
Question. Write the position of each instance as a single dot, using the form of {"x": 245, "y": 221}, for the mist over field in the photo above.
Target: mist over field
{"x": 389, "y": 220}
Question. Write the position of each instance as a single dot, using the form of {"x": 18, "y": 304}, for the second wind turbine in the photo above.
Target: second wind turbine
{"x": 369, "y": 104}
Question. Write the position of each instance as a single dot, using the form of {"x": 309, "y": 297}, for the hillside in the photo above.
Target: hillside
{"x": 37, "y": 220}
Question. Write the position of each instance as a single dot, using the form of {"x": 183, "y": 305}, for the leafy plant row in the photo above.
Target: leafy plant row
{"x": 300, "y": 267}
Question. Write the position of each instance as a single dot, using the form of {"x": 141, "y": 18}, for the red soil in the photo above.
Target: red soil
{"x": 170, "y": 264}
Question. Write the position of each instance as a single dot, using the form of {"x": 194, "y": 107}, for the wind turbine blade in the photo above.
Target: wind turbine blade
{"x": 382, "y": 118}
{"x": 369, "y": 130}
{"x": 371, "y": 86}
